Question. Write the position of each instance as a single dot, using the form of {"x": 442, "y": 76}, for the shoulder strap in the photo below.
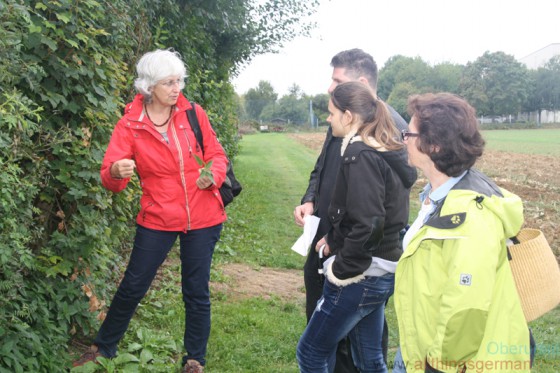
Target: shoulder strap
{"x": 193, "y": 120}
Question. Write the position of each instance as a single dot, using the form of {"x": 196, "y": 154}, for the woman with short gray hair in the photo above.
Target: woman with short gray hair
{"x": 155, "y": 140}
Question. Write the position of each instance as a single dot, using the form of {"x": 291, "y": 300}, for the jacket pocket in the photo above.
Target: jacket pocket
{"x": 145, "y": 210}
{"x": 336, "y": 215}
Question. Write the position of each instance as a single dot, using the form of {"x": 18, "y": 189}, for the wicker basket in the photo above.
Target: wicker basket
{"x": 536, "y": 273}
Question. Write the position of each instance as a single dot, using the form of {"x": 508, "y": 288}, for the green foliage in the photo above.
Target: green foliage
{"x": 293, "y": 108}
{"x": 404, "y": 76}
{"x": 58, "y": 105}
{"x": 495, "y": 84}
{"x": 445, "y": 77}
{"x": 63, "y": 237}
{"x": 400, "y": 69}
{"x": 399, "y": 98}
{"x": 545, "y": 92}
{"x": 256, "y": 99}
{"x": 260, "y": 228}
{"x": 321, "y": 106}
{"x": 205, "y": 168}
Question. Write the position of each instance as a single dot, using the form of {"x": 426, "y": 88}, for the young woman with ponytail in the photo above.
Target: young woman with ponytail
{"x": 368, "y": 210}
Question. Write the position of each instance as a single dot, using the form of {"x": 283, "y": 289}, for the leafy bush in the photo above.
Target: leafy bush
{"x": 63, "y": 237}
{"x": 61, "y": 93}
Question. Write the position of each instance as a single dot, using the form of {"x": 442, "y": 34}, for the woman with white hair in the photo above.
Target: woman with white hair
{"x": 155, "y": 140}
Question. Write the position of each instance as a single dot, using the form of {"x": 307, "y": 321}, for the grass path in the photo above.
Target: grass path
{"x": 260, "y": 334}
{"x": 274, "y": 171}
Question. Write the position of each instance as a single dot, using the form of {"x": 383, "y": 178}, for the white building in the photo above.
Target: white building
{"x": 539, "y": 58}
{"x": 534, "y": 61}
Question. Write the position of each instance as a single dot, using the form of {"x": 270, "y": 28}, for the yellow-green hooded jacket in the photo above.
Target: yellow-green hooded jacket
{"x": 455, "y": 297}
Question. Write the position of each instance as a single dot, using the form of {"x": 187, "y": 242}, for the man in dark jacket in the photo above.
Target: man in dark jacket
{"x": 349, "y": 65}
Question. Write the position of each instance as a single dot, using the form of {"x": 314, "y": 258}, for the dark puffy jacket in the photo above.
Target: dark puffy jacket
{"x": 369, "y": 207}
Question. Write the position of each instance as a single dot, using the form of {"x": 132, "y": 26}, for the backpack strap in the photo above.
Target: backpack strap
{"x": 193, "y": 120}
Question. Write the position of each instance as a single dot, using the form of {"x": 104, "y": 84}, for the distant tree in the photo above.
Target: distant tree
{"x": 295, "y": 91}
{"x": 445, "y": 77}
{"x": 269, "y": 112}
{"x": 547, "y": 85}
{"x": 293, "y": 107}
{"x": 400, "y": 69}
{"x": 321, "y": 106}
{"x": 256, "y": 99}
{"x": 399, "y": 98}
{"x": 240, "y": 105}
{"x": 495, "y": 84}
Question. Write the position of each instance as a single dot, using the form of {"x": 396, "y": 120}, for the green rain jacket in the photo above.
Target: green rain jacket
{"x": 455, "y": 296}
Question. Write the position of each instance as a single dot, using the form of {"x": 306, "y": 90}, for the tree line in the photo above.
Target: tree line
{"x": 496, "y": 84}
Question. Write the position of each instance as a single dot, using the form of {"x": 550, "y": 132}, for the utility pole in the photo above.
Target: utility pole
{"x": 311, "y": 113}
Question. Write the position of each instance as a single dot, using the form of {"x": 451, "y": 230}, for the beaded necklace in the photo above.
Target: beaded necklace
{"x": 154, "y": 123}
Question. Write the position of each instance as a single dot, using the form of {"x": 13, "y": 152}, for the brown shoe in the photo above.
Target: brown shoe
{"x": 193, "y": 366}
{"x": 90, "y": 355}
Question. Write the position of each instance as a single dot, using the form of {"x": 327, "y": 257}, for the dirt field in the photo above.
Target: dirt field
{"x": 536, "y": 179}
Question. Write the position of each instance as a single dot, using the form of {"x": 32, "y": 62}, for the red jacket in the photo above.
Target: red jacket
{"x": 170, "y": 200}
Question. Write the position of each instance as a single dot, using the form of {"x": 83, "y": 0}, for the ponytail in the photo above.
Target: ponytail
{"x": 377, "y": 129}
{"x": 382, "y": 128}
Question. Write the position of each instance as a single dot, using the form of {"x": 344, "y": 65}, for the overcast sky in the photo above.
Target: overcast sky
{"x": 438, "y": 31}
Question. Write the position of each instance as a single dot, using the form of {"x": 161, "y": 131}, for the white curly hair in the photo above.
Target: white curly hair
{"x": 155, "y": 66}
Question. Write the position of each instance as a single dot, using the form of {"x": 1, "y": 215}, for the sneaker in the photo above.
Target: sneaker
{"x": 90, "y": 355}
{"x": 193, "y": 366}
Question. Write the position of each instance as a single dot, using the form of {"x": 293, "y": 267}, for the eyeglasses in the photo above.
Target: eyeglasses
{"x": 405, "y": 135}
{"x": 172, "y": 82}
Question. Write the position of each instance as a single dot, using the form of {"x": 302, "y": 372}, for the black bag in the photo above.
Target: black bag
{"x": 231, "y": 186}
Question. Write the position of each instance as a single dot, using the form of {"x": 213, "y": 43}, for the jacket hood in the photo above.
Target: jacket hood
{"x": 507, "y": 206}
{"x": 398, "y": 160}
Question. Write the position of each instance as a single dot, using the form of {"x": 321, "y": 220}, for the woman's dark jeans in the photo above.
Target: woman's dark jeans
{"x": 355, "y": 310}
{"x": 150, "y": 250}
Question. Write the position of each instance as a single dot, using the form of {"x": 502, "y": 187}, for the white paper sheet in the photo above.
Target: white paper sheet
{"x": 301, "y": 246}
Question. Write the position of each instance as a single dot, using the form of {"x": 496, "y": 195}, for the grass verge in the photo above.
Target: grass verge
{"x": 274, "y": 171}
{"x": 527, "y": 141}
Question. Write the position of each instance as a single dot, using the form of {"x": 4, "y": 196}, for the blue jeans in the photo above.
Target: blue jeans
{"x": 356, "y": 310}
{"x": 398, "y": 365}
{"x": 150, "y": 250}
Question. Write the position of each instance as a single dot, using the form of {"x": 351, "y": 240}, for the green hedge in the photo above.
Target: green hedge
{"x": 66, "y": 74}
{"x": 63, "y": 237}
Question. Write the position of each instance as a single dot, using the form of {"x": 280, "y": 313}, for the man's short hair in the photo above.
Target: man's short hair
{"x": 357, "y": 63}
